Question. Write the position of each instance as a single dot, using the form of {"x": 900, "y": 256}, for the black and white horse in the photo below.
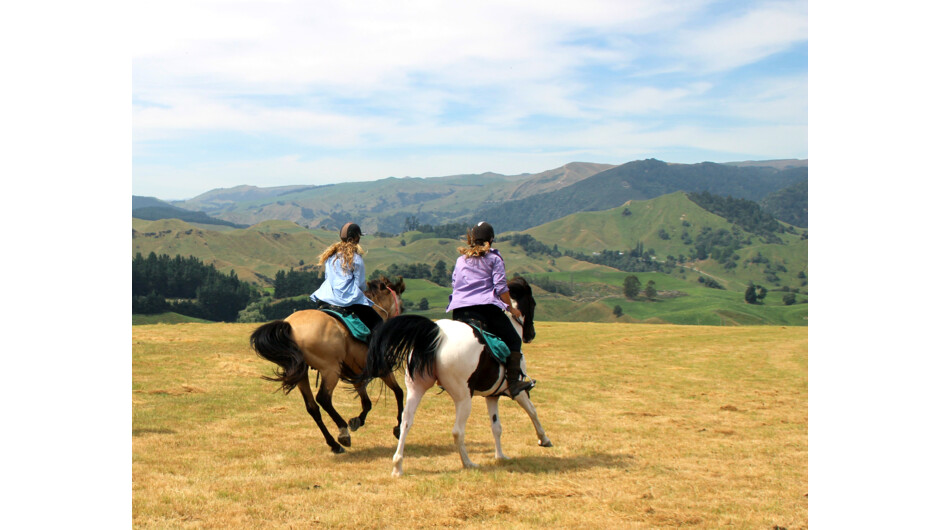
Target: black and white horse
{"x": 447, "y": 352}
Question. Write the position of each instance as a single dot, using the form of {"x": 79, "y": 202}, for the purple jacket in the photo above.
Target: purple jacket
{"x": 479, "y": 281}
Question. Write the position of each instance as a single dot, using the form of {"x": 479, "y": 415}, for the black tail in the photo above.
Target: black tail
{"x": 273, "y": 342}
{"x": 395, "y": 340}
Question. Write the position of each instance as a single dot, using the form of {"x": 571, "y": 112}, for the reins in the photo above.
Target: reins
{"x": 397, "y": 306}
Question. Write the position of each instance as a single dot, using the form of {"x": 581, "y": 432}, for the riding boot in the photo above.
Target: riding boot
{"x": 512, "y": 375}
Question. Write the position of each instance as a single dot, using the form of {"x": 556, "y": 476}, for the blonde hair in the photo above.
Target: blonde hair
{"x": 347, "y": 251}
{"x": 474, "y": 250}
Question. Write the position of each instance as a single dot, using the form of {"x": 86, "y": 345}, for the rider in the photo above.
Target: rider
{"x": 480, "y": 292}
{"x": 345, "y": 282}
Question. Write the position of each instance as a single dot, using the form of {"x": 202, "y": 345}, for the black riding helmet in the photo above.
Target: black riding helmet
{"x": 482, "y": 233}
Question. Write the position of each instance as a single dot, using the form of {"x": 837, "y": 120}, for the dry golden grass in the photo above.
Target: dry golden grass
{"x": 653, "y": 425}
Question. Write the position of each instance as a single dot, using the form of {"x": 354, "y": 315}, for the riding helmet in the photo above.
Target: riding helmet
{"x": 350, "y": 231}
{"x": 482, "y": 232}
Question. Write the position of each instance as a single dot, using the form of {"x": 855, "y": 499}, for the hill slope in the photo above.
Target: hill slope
{"x": 640, "y": 180}
{"x": 153, "y": 209}
{"x": 382, "y": 205}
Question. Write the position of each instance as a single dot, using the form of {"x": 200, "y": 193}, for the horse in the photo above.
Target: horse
{"x": 447, "y": 352}
{"x": 314, "y": 339}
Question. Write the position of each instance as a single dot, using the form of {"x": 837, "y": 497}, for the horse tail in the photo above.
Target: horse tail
{"x": 273, "y": 341}
{"x": 408, "y": 337}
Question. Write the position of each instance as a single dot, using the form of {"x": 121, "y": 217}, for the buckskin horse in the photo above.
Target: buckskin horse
{"x": 314, "y": 339}
{"x": 449, "y": 353}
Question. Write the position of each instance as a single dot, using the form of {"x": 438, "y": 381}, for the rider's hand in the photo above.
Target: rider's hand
{"x": 515, "y": 312}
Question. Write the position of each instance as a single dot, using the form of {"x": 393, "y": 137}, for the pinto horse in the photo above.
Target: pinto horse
{"x": 314, "y": 339}
{"x": 447, "y": 352}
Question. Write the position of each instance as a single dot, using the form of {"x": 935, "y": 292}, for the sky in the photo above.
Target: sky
{"x": 226, "y": 93}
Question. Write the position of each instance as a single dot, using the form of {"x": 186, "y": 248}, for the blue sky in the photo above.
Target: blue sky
{"x": 268, "y": 94}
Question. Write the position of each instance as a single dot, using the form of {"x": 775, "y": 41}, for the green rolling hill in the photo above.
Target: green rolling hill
{"x": 568, "y": 288}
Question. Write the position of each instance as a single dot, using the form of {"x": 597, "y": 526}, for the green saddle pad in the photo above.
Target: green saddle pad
{"x": 355, "y": 326}
{"x": 496, "y": 345}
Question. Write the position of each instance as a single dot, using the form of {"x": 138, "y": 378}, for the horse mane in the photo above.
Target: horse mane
{"x": 521, "y": 292}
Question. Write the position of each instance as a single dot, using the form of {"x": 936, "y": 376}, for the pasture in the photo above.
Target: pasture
{"x": 653, "y": 426}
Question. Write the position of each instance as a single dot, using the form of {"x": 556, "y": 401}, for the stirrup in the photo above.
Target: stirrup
{"x": 518, "y": 386}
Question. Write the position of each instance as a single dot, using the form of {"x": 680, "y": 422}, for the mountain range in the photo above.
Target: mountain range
{"x": 510, "y": 203}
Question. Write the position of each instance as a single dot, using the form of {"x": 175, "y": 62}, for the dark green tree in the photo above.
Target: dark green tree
{"x": 750, "y": 294}
{"x": 423, "y": 304}
{"x": 618, "y": 311}
{"x": 631, "y": 286}
{"x": 650, "y": 290}
{"x": 789, "y": 299}
{"x": 761, "y": 293}
{"x": 439, "y": 274}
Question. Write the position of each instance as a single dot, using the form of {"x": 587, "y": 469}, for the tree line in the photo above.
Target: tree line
{"x": 187, "y": 286}
{"x": 742, "y": 212}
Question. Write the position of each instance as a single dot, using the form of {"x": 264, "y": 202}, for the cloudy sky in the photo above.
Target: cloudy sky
{"x": 275, "y": 93}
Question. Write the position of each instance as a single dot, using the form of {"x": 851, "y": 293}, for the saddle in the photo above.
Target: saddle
{"x": 493, "y": 344}
{"x": 356, "y": 328}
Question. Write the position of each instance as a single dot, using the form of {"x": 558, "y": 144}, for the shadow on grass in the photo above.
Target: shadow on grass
{"x": 534, "y": 464}
{"x": 141, "y": 432}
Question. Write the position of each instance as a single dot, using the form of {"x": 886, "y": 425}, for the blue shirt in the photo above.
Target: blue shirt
{"x": 479, "y": 281}
{"x": 341, "y": 288}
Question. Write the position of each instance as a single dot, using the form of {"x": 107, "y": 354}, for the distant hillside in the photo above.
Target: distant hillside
{"x": 790, "y": 205}
{"x": 671, "y": 225}
{"x": 382, "y": 205}
{"x": 556, "y": 179}
{"x": 776, "y": 164}
{"x": 640, "y": 180}
{"x": 153, "y": 209}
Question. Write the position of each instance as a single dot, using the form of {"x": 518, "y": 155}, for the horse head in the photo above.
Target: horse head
{"x": 386, "y": 294}
{"x": 521, "y": 293}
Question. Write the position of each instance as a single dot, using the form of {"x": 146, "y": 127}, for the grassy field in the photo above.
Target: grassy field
{"x": 653, "y": 426}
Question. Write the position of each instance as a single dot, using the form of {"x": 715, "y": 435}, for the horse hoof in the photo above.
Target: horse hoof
{"x": 337, "y": 450}
{"x": 345, "y": 440}
{"x": 397, "y": 432}
{"x": 355, "y": 423}
{"x": 546, "y": 443}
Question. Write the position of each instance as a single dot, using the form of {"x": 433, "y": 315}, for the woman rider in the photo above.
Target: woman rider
{"x": 345, "y": 282}
{"x": 480, "y": 292}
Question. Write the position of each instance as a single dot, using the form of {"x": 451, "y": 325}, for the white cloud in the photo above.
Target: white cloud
{"x": 768, "y": 29}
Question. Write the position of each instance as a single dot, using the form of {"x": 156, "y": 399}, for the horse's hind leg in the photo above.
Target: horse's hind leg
{"x": 523, "y": 400}
{"x": 492, "y": 406}
{"x": 314, "y": 410}
{"x": 416, "y": 391}
{"x": 392, "y": 383}
{"x": 358, "y": 421}
{"x": 325, "y": 400}
{"x": 463, "y": 406}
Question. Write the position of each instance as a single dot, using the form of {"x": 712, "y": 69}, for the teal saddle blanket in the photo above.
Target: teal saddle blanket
{"x": 497, "y": 347}
{"x": 356, "y": 328}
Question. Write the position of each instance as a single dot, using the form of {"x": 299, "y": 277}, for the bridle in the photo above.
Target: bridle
{"x": 397, "y": 304}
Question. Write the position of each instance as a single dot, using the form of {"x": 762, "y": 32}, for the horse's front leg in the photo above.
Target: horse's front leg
{"x": 325, "y": 399}
{"x": 314, "y": 410}
{"x": 523, "y": 400}
{"x": 358, "y": 421}
{"x": 492, "y": 407}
